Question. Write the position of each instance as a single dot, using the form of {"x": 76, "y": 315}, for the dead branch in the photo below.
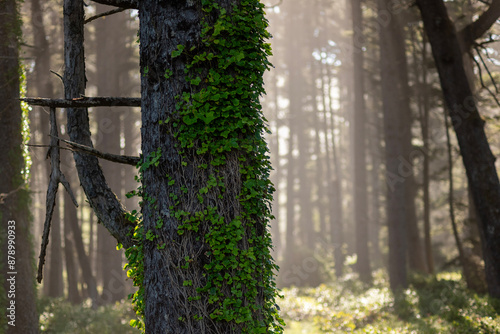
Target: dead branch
{"x": 110, "y": 12}
{"x": 483, "y": 85}
{"x": 84, "y": 102}
{"x": 127, "y": 4}
{"x": 56, "y": 177}
{"x": 479, "y": 27}
{"x": 122, "y": 159}
{"x": 3, "y": 196}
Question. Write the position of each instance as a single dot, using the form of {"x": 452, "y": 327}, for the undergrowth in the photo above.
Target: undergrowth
{"x": 430, "y": 305}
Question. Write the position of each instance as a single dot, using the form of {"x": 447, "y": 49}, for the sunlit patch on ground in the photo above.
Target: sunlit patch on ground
{"x": 429, "y": 306}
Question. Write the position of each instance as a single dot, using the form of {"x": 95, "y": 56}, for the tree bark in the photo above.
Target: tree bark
{"x": 390, "y": 36}
{"x": 104, "y": 202}
{"x": 168, "y": 306}
{"x": 478, "y": 160}
{"x": 18, "y": 294}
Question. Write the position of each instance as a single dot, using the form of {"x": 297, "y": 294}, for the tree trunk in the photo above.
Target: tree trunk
{"x": 111, "y": 47}
{"x": 190, "y": 223}
{"x": 423, "y": 105}
{"x": 390, "y": 35}
{"x": 335, "y": 194}
{"x": 360, "y": 206}
{"x": 18, "y": 294}
{"x": 478, "y": 160}
{"x": 70, "y": 215}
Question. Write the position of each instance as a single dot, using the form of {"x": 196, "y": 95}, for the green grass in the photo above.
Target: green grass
{"x": 430, "y": 305}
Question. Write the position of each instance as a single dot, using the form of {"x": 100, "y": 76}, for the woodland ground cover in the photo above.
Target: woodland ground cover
{"x": 440, "y": 304}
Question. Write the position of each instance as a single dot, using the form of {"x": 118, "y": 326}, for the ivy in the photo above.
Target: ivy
{"x": 217, "y": 118}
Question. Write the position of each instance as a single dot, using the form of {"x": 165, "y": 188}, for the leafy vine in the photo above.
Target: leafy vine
{"x": 218, "y": 125}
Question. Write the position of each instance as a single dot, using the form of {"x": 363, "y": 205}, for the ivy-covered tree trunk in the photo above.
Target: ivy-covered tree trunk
{"x": 206, "y": 193}
{"x": 17, "y": 291}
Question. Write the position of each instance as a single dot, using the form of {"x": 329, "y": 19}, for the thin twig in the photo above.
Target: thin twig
{"x": 487, "y": 70}
{"x": 110, "y": 12}
{"x": 3, "y": 196}
{"x": 483, "y": 85}
{"x": 58, "y": 75}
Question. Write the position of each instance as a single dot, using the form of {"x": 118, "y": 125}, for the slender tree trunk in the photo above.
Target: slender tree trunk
{"x": 55, "y": 277}
{"x": 416, "y": 256}
{"x": 469, "y": 128}
{"x": 394, "y": 150}
{"x": 70, "y": 215}
{"x": 360, "y": 190}
{"x": 336, "y": 195}
{"x": 423, "y": 102}
{"x": 109, "y": 59}
{"x": 18, "y": 294}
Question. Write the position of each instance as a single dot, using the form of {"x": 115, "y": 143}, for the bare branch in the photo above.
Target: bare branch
{"x": 478, "y": 28}
{"x": 84, "y": 102}
{"x": 122, "y": 159}
{"x": 111, "y": 12}
{"x": 56, "y": 177}
{"x": 3, "y": 196}
{"x": 483, "y": 85}
{"x": 58, "y": 75}
{"x": 127, "y": 4}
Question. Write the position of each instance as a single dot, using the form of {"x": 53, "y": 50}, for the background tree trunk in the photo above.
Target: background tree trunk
{"x": 15, "y": 203}
{"x": 110, "y": 52}
{"x": 360, "y": 206}
{"x": 478, "y": 160}
{"x": 394, "y": 150}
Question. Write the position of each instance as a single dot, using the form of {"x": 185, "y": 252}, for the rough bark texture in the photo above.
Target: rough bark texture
{"x": 394, "y": 149}
{"x": 469, "y": 128}
{"x": 360, "y": 206}
{"x": 14, "y": 206}
{"x": 164, "y": 25}
{"x": 104, "y": 202}
{"x": 84, "y": 102}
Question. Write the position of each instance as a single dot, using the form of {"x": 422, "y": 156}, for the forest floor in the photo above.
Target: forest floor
{"x": 431, "y": 305}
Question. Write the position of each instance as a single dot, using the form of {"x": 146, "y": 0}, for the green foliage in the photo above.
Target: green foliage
{"x": 58, "y": 316}
{"x": 221, "y": 115}
{"x": 430, "y": 305}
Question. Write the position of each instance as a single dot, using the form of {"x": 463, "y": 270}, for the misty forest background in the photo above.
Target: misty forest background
{"x": 324, "y": 107}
